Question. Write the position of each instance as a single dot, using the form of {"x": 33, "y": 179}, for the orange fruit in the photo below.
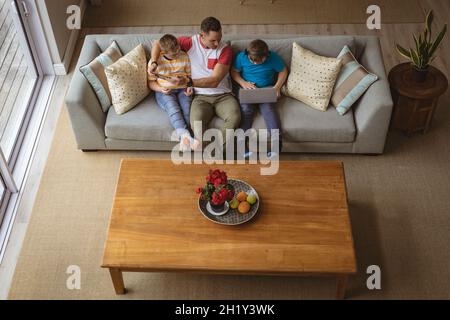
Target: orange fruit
{"x": 242, "y": 196}
{"x": 244, "y": 207}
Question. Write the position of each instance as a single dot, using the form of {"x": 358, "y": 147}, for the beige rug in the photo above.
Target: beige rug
{"x": 120, "y": 13}
{"x": 399, "y": 207}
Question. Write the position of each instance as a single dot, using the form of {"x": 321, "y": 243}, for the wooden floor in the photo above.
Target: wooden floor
{"x": 389, "y": 34}
{"x": 15, "y": 83}
{"x": 120, "y": 13}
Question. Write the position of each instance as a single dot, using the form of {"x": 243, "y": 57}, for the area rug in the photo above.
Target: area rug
{"x": 399, "y": 211}
{"x": 119, "y": 13}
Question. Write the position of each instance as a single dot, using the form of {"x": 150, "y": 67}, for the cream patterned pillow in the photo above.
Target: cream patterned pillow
{"x": 312, "y": 78}
{"x": 127, "y": 80}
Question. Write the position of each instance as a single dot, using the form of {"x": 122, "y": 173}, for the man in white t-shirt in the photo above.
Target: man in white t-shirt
{"x": 211, "y": 61}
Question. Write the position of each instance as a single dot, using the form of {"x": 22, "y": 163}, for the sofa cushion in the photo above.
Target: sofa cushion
{"x": 94, "y": 72}
{"x": 127, "y": 42}
{"x": 127, "y": 80}
{"x": 145, "y": 122}
{"x": 312, "y": 77}
{"x": 281, "y": 43}
{"x": 148, "y": 122}
{"x": 352, "y": 83}
{"x": 301, "y": 123}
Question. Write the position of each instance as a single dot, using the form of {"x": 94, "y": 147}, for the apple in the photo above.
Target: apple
{"x": 251, "y": 199}
{"x": 234, "y": 203}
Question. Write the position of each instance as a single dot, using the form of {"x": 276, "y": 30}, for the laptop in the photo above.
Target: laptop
{"x": 258, "y": 95}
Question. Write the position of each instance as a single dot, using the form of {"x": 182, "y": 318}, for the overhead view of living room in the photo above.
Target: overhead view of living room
{"x": 224, "y": 150}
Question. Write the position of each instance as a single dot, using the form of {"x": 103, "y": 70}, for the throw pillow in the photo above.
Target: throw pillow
{"x": 312, "y": 78}
{"x": 127, "y": 80}
{"x": 94, "y": 72}
{"x": 352, "y": 82}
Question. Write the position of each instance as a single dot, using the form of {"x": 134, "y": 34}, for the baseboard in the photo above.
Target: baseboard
{"x": 62, "y": 69}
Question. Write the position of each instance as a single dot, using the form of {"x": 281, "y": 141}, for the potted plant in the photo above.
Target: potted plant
{"x": 425, "y": 48}
{"x": 217, "y": 190}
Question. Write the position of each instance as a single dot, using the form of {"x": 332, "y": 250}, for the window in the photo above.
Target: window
{"x": 21, "y": 83}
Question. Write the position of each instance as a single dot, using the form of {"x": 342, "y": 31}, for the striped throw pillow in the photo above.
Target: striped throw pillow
{"x": 95, "y": 74}
{"x": 353, "y": 81}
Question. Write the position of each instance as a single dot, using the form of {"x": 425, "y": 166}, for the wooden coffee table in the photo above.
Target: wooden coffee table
{"x": 302, "y": 227}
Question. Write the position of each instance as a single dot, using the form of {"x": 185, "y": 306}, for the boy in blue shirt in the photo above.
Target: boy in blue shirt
{"x": 258, "y": 67}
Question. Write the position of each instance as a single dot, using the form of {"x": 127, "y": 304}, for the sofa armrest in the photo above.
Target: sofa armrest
{"x": 373, "y": 111}
{"x": 85, "y": 112}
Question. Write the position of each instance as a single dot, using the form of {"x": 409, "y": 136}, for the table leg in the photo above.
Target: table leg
{"x": 412, "y": 118}
{"x": 341, "y": 286}
{"x": 430, "y": 116}
{"x": 117, "y": 279}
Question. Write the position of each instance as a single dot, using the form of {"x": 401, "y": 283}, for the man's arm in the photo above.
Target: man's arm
{"x": 156, "y": 50}
{"x": 220, "y": 71}
{"x": 236, "y": 76}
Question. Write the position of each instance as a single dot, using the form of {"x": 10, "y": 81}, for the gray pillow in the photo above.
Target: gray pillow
{"x": 352, "y": 83}
{"x": 94, "y": 72}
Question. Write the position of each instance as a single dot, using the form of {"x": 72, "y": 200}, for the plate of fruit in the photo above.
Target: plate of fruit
{"x": 242, "y": 208}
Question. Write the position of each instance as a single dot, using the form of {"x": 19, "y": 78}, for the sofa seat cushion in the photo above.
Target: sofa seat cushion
{"x": 145, "y": 122}
{"x": 300, "y": 123}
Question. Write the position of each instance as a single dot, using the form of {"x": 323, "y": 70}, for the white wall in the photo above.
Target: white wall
{"x": 60, "y": 39}
{"x": 57, "y": 13}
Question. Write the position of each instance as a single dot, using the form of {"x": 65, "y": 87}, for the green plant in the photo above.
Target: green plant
{"x": 425, "y": 47}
